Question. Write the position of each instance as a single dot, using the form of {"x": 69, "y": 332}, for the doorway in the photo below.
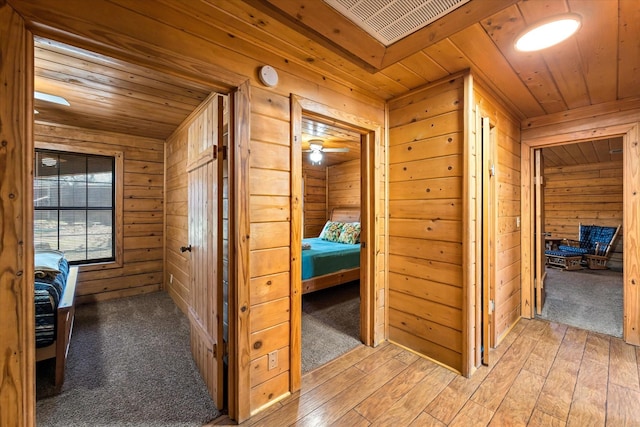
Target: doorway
{"x": 559, "y": 135}
{"x": 331, "y": 178}
{"x": 582, "y": 185}
{"x": 368, "y": 134}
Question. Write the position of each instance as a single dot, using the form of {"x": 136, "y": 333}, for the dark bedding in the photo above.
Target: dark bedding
{"x": 48, "y": 291}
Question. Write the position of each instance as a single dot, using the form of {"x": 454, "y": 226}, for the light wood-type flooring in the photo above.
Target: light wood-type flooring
{"x": 542, "y": 374}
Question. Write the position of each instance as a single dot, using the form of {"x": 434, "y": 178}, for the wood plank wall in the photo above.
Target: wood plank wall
{"x": 506, "y": 133}
{"x": 315, "y": 198}
{"x": 270, "y": 213}
{"x": 425, "y": 221}
{"x": 587, "y": 194}
{"x": 343, "y": 185}
{"x": 143, "y": 205}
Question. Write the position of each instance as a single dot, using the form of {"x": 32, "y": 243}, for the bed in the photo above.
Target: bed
{"x": 54, "y": 299}
{"x": 328, "y": 263}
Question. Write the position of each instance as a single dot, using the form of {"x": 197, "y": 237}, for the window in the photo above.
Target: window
{"x": 74, "y": 200}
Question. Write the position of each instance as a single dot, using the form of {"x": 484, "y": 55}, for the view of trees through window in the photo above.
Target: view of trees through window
{"x": 74, "y": 205}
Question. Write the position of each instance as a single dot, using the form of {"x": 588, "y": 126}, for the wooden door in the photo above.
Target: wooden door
{"x": 489, "y": 219}
{"x": 205, "y": 246}
{"x": 539, "y": 245}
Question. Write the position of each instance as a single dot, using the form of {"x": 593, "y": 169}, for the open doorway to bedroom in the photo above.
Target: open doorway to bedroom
{"x": 331, "y": 211}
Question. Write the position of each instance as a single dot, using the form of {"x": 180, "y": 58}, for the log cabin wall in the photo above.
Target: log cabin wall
{"x": 587, "y": 194}
{"x": 143, "y": 205}
{"x": 506, "y": 137}
{"x": 212, "y": 60}
{"x": 343, "y": 185}
{"x": 315, "y": 198}
{"x": 425, "y": 221}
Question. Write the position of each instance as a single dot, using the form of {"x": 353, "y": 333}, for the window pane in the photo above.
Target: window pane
{"x": 99, "y": 234}
{"x": 46, "y": 229}
{"x": 45, "y": 188}
{"x": 73, "y": 234}
{"x": 73, "y": 180}
{"x": 100, "y": 182}
{"x": 74, "y": 205}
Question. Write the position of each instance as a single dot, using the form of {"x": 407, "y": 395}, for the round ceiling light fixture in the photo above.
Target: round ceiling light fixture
{"x": 548, "y": 32}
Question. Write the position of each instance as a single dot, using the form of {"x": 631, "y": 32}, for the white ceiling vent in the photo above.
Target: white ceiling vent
{"x": 390, "y": 20}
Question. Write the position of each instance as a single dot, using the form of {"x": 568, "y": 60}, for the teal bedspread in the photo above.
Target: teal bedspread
{"x": 326, "y": 257}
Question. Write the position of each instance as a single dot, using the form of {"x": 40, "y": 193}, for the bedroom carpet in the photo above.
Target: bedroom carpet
{"x": 587, "y": 299}
{"x": 330, "y": 324}
{"x": 129, "y": 365}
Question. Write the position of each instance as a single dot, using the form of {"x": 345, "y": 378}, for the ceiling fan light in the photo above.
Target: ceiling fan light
{"x": 547, "y": 33}
{"x": 51, "y": 98}
{"x": 315, "y": 156}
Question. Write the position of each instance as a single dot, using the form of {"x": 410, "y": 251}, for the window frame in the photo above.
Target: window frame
{"x": 118, "y": 185}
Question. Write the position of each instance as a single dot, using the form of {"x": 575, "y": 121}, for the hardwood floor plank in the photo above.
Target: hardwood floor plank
{"x": 316, "y": 377}
{"x": 497, "y": 384}
{"x": 359, "y": 390}
{"x": 589, "y": 404}
{"x": 379, "y": 402}
{"x": 352, "y": 419}
{"x": 556, "y": 395}
{"x": 623, "y": 366}
{"x": 449, "y": 402}
{"x": 409, "y": 407}
{"x": 472, "y": 414}
{"x": 622, "y": 406}
{"x": 544, "y": 353}
{"x": 300, "y": 405}
{"x": 373, "y": 362}
{"x": 518, "y": 404}
{"x": 540, "y": 419}
{"x": 596, "y": 349}
{"x": 426, "y": 420}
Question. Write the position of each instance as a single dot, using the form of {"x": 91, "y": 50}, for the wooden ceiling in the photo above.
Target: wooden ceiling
{"x": 603, "y": 150}
{"x": 111, "y": 95}
{"x": 599, "y": 65}
{"x": 333, "y": 136}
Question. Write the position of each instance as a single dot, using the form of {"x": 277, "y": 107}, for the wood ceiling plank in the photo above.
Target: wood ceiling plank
{"x": 181, "y": 92}
{"x": 628, "y": 47}
{"x": 404, "y": 76}
{"x": 332, "y": 26}
{"x": 81, "y": 81}
{"x": 421, "y": 64}
{"x": 602, "y": 150}
{"x": 595, "y": 39}
{"x": 575, "y": 153}
{"x": 563, "y": 60}
{"x": 551, "y": 157}
{"x": 448, "y": 56}
{"x": 264, "y": 39}
{"x": 588, "y": 151}
{"x": 503, "y": 28}
{"x": 495, "y": 70}
{"x": 457, "y": 20}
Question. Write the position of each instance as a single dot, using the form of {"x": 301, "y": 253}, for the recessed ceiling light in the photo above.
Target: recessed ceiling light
{"x": 51, "y": 98}
{"x": 549, "y": 32}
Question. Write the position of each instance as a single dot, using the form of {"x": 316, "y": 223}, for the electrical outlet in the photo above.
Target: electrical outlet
{"x": 273, "y": 359}
{"x": 171, "y": 278}
{"x": 518, "y": 222}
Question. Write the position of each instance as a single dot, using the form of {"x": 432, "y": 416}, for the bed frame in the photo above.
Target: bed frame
{"x": 65, "y": 315}
{"x": 342, "y": 214}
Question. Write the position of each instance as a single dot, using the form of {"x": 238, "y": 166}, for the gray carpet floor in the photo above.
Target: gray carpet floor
{"x": 330, "y": 324}
{"x": 587, "y": 299}
{"x": 129, "y": 365}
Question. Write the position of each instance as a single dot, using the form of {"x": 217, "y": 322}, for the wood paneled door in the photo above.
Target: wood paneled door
{"x": 205, "y": 188}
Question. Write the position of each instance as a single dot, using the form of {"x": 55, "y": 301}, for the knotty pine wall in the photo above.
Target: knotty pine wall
{"x": 506, "y": 136}
{"x": 425, "y": 221}
{"x": 315, "y": 198}
{"x": 343, "y": 185}
{"x": 587, "y": 194}
{"x": 143, "y": 206}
